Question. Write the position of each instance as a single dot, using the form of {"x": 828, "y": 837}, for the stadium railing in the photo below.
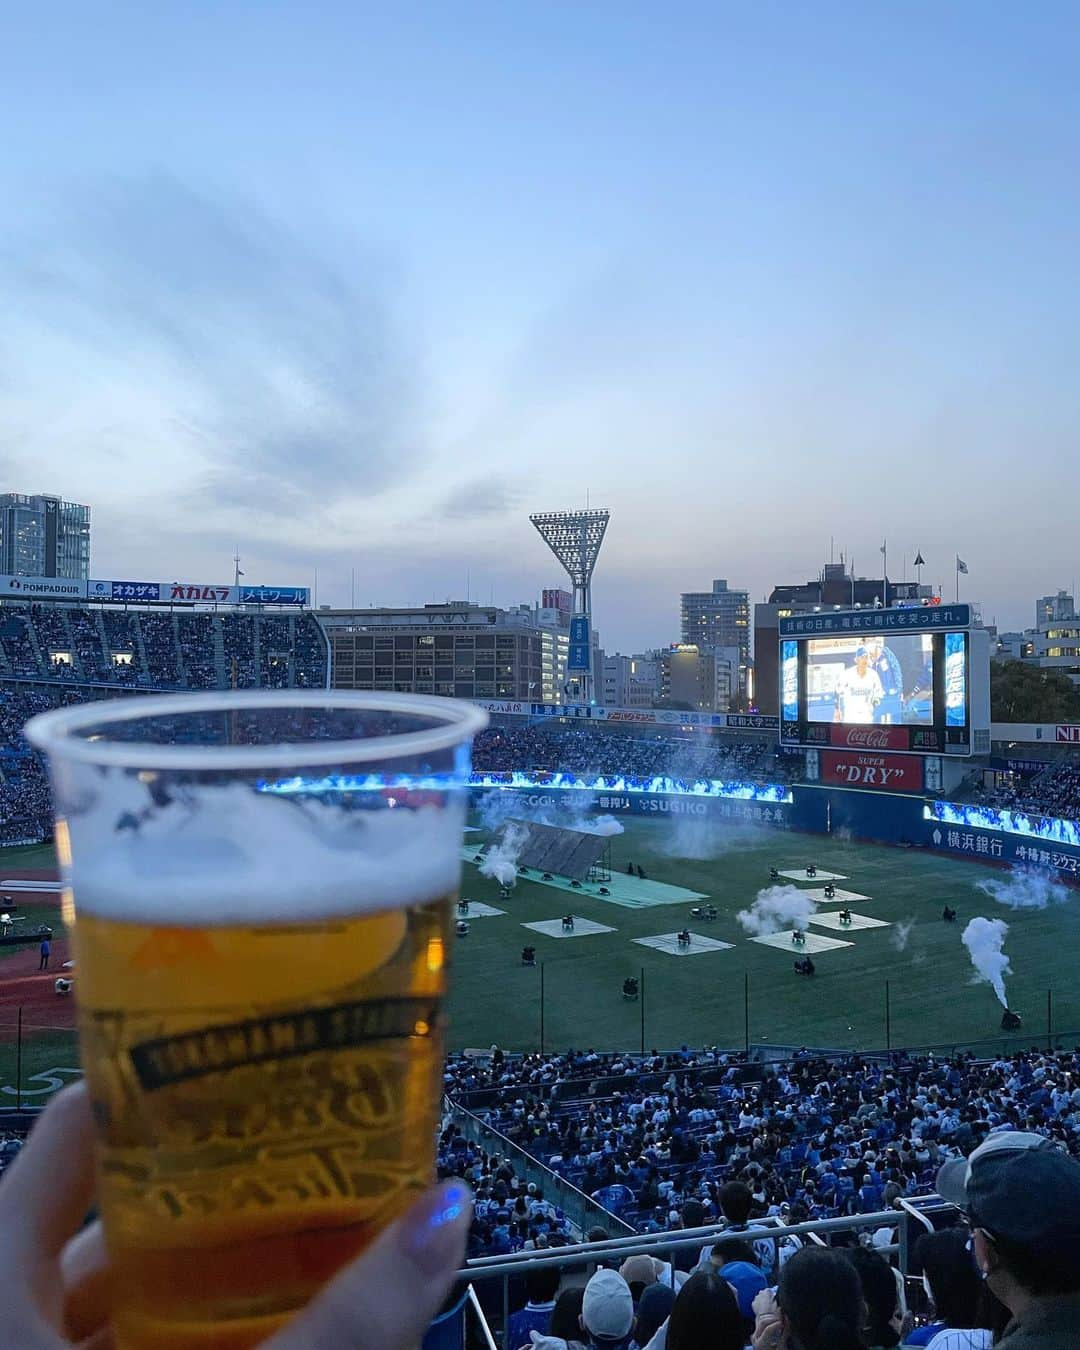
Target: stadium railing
{"x": 582, "y": 1210}
{"x": 492, "y": 1275}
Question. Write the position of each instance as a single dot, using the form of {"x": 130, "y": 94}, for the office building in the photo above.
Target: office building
{"x": 718, "y": 618}
{"x": 458, "y": 649}
{"x": 701, "y": 679}
{"x": 1053, "y": 609}
{"x": 43, "y": 536}
{"x": 835, "y": 588}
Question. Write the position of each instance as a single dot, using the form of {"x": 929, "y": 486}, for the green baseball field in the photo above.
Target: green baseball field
{"x": 698, "y": 994}
{"x": 896, "y": 973}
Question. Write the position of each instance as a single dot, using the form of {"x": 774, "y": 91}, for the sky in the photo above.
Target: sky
{"x": 352, "y": 289}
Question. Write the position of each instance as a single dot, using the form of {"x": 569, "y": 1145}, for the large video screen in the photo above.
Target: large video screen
{"x": 871, "y": 679}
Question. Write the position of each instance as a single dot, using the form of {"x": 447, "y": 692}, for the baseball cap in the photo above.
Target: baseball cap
{"x": 862, "y": 650}
{"x": 607, "y": 1310}
{"x": 639, "y": 1270}
{"x": 748, "y": 1281}
{"x": 1018, "y": 1186}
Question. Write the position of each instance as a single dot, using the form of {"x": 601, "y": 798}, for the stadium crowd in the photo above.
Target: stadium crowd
{"x": 55, "y": 655}
{"x": 677, "y": 1141}
{"x": 597, "y": 750}
{"x": 820, "y": 1138}
{"x": 161, "y": 649}
{"x": 1054, "y": 792}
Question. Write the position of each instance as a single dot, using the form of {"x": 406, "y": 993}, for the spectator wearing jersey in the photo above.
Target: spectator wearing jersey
{"x": 541, "y": 1287}
{"x": 953, "y": 1286}
{"x": 1020, "y": 1195}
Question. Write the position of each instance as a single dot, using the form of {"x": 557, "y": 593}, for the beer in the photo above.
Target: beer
{"x": 261, "y": 963}
{"x": 265, "y": 1100}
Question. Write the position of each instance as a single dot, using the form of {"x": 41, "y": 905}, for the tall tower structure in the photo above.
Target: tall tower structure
{"x": 575, "y": 538}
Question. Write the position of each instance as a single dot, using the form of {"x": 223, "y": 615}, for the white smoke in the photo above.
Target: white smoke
{"x": 601, "y": 825}
{"x": 1025, "y": 888}
{"x": 498, "y": 806}
{"x": 500, "y": 861}
{"x": 901, "y": 933}
{"x": 984, "y": 939}
{"x": 776, "y": 909}
{"x": 701, "y": 837}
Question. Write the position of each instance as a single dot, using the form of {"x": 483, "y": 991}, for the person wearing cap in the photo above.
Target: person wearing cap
{"x": 858, "y": 691}
{"x": 607, "y": 1311}
{"x": 1020, "y": 1195}
{"x": 640, "y": 1272}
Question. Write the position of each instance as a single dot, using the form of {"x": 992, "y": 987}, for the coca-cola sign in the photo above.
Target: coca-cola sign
{"x": 869, "y": 738}
{"x": 891, "y": 773}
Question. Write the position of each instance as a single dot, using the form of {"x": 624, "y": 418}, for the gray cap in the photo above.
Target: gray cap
{"x": 1018, "y": 1186}
{"x": 607, "y": 1310}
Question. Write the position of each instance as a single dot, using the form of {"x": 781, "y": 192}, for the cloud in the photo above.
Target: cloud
{"x": 271, "y": 375}
{"x": 488, "y": 496}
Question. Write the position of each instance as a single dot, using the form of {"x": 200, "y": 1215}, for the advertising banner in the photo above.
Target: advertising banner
{"x": 123, "y": 590}
{"x": 752, "y": 721}
{"x": 893, "y": 773}
{"x": 869, "y": 738}
{"x": 273, "y": 595}
{"x": 1069, "y": 734}
{"x": 41, "y": 588}
{"x": 191, "y": 593}
{"x": 503, "y": 705}
{"x": 878, "y": 620}
{"x": 580, "y": 655}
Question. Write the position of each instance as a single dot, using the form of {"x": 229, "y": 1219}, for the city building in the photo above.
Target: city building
{"x": 701, "y": 679}
{"x": 43, "y": 536}
{"x": 718, "y": 618}
{"x": 1054, "y": 642}
{"x": 458, "y": 649}
{"x": 631, "y": 681}
{"x": 1051, "y": 609}
{"x": 835, "y": 588}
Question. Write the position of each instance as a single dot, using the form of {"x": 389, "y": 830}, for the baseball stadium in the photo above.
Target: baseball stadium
{"x": 698, "y": 916}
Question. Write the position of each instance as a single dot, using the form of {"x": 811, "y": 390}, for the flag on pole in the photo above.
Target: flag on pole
{"x": 961, "y": 566}
{"x": 883, "y": 547}
{"x": 920, "y": 561}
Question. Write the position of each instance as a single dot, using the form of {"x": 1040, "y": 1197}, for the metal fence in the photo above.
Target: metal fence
{"x": 498, "y": 1280}
{"x": 582, "y": 1211}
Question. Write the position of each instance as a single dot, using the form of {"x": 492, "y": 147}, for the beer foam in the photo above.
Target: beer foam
{"x": 231, "y": 855}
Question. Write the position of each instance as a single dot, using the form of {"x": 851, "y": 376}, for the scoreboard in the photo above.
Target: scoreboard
{"x": 914, "y": 680}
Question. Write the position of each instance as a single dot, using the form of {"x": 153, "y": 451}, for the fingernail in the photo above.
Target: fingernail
{"x": 434, "y": 1230}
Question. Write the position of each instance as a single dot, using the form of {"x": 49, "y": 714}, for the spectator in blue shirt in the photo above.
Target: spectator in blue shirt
{"x": 541, "y": 1287}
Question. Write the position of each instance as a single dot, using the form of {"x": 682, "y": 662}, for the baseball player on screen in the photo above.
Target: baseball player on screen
{"x": 858, "y": 691}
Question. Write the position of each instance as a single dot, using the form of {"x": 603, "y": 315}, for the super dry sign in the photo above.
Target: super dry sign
{"x": 888, "y": 773}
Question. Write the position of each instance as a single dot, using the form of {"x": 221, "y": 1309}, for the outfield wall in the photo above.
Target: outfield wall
{"x": 979, "y": 834}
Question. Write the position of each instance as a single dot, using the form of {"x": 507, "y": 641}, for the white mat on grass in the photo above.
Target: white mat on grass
{"x": 799, "y": 874}
{"x": 845, "y": 897}
{"x": 582, "y": 928}
{"x": 478, "y": 910}
{"x": 831, "y": 919}
{"x": 669, "y": 943}
{"x": 814, "y": 943}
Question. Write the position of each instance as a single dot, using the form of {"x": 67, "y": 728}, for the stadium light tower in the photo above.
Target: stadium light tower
{"x": 575, "y": 538}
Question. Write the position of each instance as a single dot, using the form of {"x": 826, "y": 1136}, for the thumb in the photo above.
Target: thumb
{"x": 385, "y": 1299}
